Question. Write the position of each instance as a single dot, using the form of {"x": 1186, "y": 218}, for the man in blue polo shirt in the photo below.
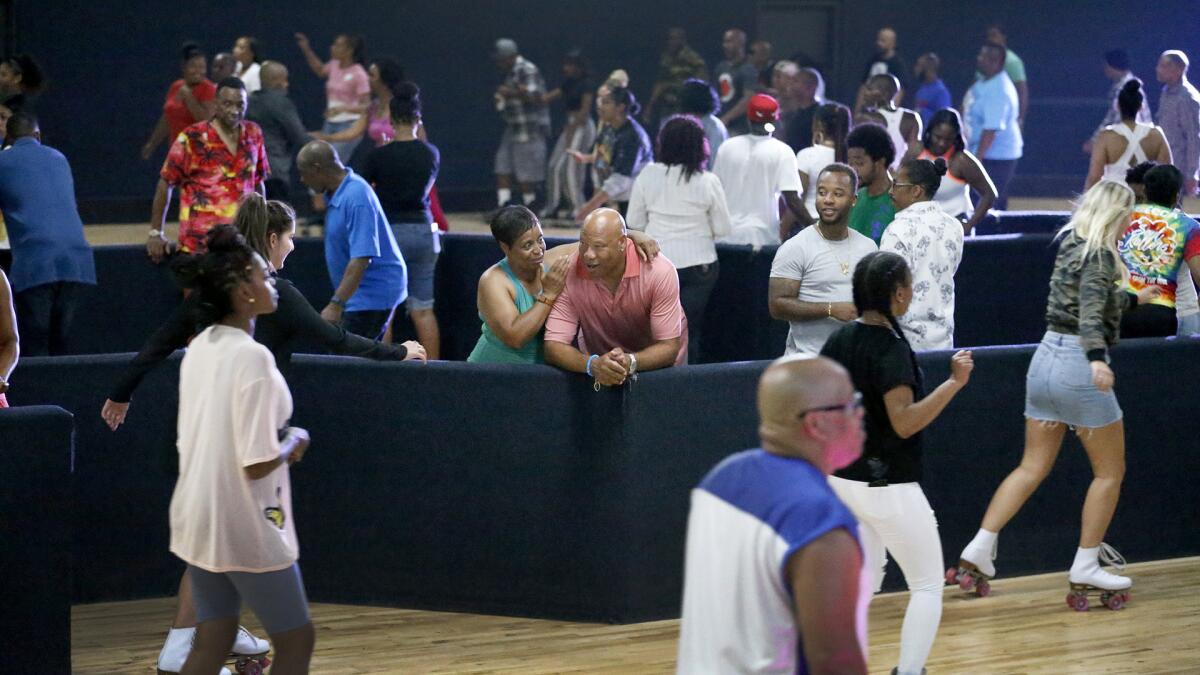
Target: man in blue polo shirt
{"x": 52, "y": 261}
{"x": 774, "y": 579}
{"x": 365, "y": 265}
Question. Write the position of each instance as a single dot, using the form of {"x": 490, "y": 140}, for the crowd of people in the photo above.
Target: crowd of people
{"x": 868, "y": 204}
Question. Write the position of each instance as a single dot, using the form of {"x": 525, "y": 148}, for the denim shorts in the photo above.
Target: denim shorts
{"x": 419, "y": 244}
{"x": 276, "y": 598}
{"x": 1058, "y": 386}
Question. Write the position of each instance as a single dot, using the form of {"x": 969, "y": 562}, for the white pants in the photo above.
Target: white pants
{"x": 897, "y": 519}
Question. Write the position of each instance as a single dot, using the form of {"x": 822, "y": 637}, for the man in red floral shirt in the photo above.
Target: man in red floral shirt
{"x": 213, "y": 164}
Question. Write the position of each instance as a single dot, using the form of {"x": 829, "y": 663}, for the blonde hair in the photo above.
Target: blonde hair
{"x": 617, "y": 78}
{"x": 257, "y": 219}
{"x": 1100, "y": 217}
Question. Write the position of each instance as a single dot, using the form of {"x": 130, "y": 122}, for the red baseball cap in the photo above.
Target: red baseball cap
{"x": 762, "y": 109}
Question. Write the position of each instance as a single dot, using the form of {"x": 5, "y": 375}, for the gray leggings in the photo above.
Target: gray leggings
{"x": 276, "y": 598}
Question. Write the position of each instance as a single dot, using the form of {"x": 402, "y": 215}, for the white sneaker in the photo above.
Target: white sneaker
{"x": 1086, "y": 570}
{"x": 176, "y": 649}
{"x": 247, "y": 645}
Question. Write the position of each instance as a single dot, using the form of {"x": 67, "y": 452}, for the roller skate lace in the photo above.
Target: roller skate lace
{"x": 1109, "y": 556}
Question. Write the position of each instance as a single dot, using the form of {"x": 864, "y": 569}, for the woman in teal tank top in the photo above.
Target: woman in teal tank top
{"x": 516, "y": 294}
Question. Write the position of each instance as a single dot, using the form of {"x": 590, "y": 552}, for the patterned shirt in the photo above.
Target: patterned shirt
{"x": 932, "y": 244}
{"x": 526, "y": 118}
{"x": 1179, "y": 117}
{"x": 673, "y": 70}
{"x": 1154, "y": 247}
{"x": 211, "y": 179}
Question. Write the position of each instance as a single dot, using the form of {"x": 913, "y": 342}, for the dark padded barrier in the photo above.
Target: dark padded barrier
{"x": 1022, "y": 222}
{"x": 36, "y": 449}
{"x": 1002, "y": 286}
{"x": 519, "y": 490}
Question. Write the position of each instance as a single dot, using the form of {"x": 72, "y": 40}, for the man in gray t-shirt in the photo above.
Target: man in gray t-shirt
{"x": 811, "y": 276}
{"x": 736, "y": 80}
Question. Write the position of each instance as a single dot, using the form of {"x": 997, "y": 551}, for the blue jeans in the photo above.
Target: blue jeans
{"x": 345, "y": 149}
{"x": 420, "y": 244}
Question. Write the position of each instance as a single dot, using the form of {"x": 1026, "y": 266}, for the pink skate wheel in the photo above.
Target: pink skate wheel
{"x": 966, "y": 582}
{"x": 952, "y": 576}
{"x": 983, "y": 588}
{"x": 1077, "y": 602}
{"x": 1115, "y": 602}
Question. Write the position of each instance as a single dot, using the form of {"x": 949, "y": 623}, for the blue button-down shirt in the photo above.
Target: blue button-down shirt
{"x": 37, "y": 197}
{"x": 356, "y": 227}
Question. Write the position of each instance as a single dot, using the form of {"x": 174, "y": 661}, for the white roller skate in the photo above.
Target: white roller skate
{"x": 176, "y": 649}
{"x": 1088, "y": 577}
{"x": 975, "y": 565}
{"x": 249, "y": 653}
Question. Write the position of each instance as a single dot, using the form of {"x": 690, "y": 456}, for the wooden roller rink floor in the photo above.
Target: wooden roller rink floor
{"x": 1023, "y": 627}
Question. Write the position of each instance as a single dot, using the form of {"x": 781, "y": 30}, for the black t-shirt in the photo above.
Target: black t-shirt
{"x": 878, "y": 65}
{"x": 403, "y": 173}
{"x": 878, "y": 362}
{"x": 797, "y": 127}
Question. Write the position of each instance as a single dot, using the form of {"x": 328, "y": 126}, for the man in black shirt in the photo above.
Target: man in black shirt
{"x": 885, "y": 61}
{"x": 797, "y": 125}
{"x": 283, "y": 132}
{"x": 736, "y": 80}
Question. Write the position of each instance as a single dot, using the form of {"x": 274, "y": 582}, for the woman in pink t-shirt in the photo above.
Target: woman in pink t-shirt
{"x": 347, "y": 86}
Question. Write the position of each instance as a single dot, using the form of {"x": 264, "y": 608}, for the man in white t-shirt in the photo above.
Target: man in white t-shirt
{"x": 811, "y": 277}
{"x": 755, "y": 169}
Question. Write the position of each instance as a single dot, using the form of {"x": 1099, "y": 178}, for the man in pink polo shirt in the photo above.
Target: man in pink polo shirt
{"x": 626, "y": 312}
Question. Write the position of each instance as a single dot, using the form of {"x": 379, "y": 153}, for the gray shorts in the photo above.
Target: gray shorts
{"x": 524, "y": 159}
{"x": 276, "y": 598}
{"x": 1058, "y": 386}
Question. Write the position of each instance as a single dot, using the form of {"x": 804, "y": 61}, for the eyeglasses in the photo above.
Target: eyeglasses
{"x": 896, "y": 185}
{"x": 850, "y": 408}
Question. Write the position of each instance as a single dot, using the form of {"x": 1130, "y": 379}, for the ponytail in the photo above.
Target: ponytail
{"x": 876, "y": 278}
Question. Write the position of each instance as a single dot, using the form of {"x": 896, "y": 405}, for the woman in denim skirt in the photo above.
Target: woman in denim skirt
{"x": 1070, "y": 385}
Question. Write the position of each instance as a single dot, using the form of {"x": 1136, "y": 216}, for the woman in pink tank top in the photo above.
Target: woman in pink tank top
{"x": 384, "y": 75}
{"x": 944, "y": 138}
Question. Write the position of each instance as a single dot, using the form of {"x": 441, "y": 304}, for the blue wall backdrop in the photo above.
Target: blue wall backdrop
{"x": 110, "y": 63}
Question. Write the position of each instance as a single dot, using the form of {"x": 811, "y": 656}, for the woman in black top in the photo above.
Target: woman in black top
{"x": 268, "y": 226}
{"x": 402, "y": 173}
{"x": 565, "y": 177}
{"x": 882, "y": 487}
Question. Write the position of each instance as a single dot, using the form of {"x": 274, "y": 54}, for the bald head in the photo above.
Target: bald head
{"x": 319, "y": 166}
{"x": 794, "y": 397}
{"x": 274, "y": 75}
{"x": 885, "y": 40}
{"x": 223, "y": 66}
{"x": 792, "y": 385}
{"x": 606, "y": 224}
{"x": 317, "y": 155}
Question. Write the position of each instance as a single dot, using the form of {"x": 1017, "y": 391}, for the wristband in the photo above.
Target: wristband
{"x": 829, "y": 310}
{"x": 155, "y": 232}
{"x": 549, "y": 303}
{"x": 335, "y": 300}
{"x": 588, "y": 368}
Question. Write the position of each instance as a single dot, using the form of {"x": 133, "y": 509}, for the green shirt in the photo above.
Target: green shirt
{"x": 1014, "y": 66}
{"x": 871, "y": 215}
{"x": 491, "y": 349}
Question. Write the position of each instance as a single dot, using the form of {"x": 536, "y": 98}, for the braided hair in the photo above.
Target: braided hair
{"x": 214, "y": 275}
{"x": 876, "y": 278}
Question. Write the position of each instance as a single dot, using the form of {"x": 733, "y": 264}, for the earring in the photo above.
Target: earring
{"x": 251, "y": 300}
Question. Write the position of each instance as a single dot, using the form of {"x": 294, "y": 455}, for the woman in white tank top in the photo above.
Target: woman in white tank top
{"x": 1127, "y": 143}
{"x": 943, "y": 138}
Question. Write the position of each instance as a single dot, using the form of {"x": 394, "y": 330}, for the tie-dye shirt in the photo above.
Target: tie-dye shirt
{"x": 1155, "y": 245}
{"x": 211, "y": 180}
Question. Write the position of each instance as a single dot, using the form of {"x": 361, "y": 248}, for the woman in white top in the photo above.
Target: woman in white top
{"x": 231, "y": 513}
{"x": 1127, "y": 143}
{"x": 683, "y": 207}
{"x": 831, "y": 125}
{"x": 246, "y": 53}
{"x": 931, "y": 242}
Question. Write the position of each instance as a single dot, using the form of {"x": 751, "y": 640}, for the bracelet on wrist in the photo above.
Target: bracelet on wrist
{"x": 335, "y": 300}
{"x": 588, "y": 368}
{"x": 547, "y": 300}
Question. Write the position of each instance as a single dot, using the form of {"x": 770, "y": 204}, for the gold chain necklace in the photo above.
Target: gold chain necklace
{"x": 844, "y": 265}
